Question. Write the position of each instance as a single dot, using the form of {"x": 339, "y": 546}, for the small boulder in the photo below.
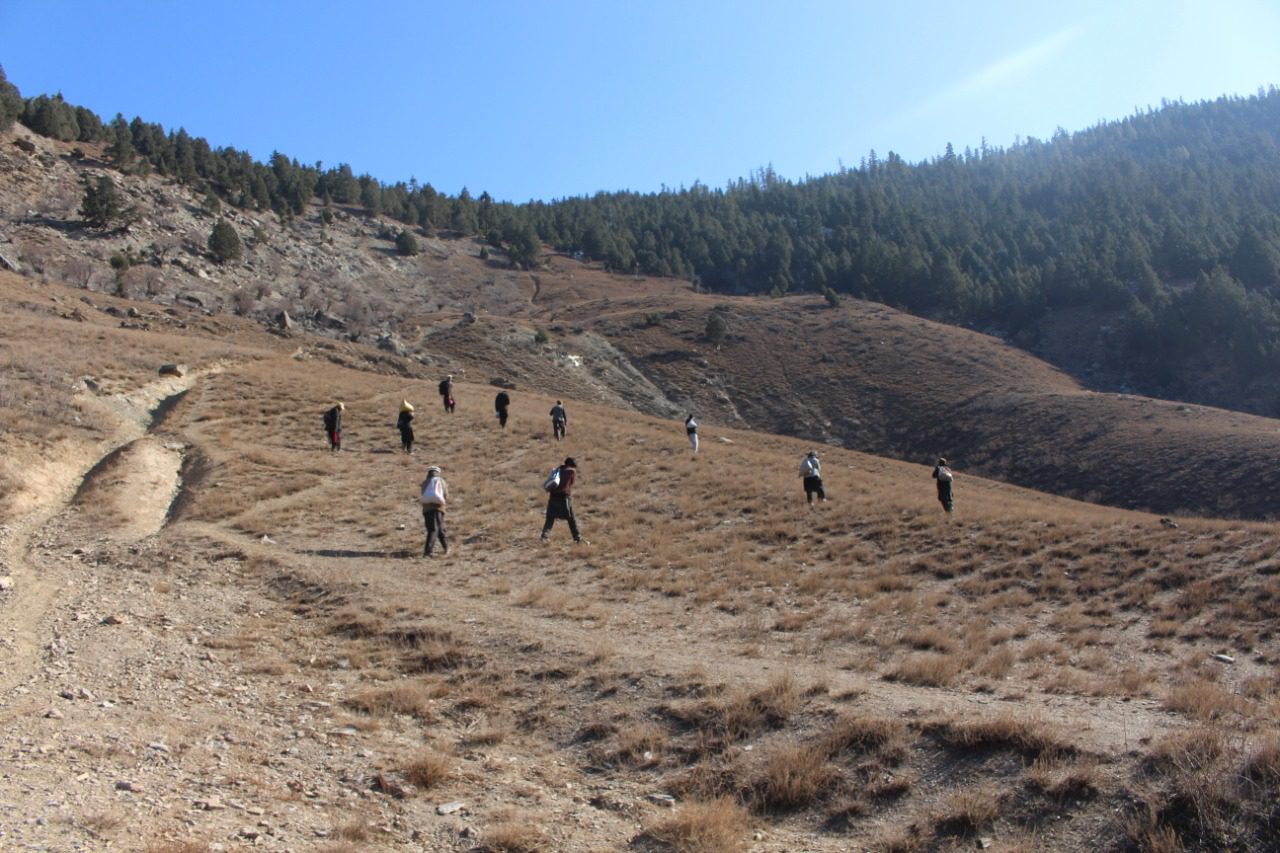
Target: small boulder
{"x": 173, "y": 369}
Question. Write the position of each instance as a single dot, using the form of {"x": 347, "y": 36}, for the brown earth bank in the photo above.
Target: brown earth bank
{"x": 860, "y": 376}
{"x": 219, "y": 635}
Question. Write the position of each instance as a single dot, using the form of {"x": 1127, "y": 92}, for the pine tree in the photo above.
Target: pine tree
{"x": 102, "y": 205}
{"x": 10, "y": 102}
{"x": 224, "y": 242}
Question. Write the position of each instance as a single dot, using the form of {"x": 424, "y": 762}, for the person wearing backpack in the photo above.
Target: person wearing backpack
{"x": 333, "y": 426}
{"x": 500, "y": 404}
{"x": 691, "y": 429}
{"x": 446, "y": 393}
{"x": 435, "y": 494}
{"x": 942, "y": 473}
{"x": 559, "y": 486}
{"x": 404, "y": 423}
{"x": 559, "y": 420}
{"x": 811, "y": 470}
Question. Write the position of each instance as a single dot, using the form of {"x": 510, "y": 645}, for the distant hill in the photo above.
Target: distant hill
{"x": 860, "y": 374}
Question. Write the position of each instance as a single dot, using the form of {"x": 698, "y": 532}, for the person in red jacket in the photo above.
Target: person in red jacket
{"x": 560, "y": 500}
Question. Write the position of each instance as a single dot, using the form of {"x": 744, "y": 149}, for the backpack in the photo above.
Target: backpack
{"x": 944, "y": 474}
{"x": 433, "y": 492}
{"x": 807, "y": 468}
{"x": 552, "y": 482}
{"x": 444, "y": 387}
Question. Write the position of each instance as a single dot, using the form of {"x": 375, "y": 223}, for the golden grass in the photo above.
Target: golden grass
{"x": 720, "y": 825}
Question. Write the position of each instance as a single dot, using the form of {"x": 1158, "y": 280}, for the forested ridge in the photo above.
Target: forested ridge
{"x": 1157, "y": 236}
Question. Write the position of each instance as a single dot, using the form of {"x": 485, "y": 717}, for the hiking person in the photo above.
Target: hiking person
{"x": 446, "y": 393}
{"x": 500, "y": 404}
{"x": 560, "y": 500}
{"x": 435, "y": 494}
{"x": 404, "y": 423}
{"x": 942, "y": 473}
{"x": 333, "y": 426}
{"x": 811, "y": 470}
{"x": 691, "y": 429}
{"x": 559, "y": 419}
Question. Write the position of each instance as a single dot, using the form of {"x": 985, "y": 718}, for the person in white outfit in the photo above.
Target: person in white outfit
{"x": 811, "y": 470}
{"x": 691, "y": 428}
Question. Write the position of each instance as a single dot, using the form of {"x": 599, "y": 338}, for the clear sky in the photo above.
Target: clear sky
{"x": 568, "y": 97}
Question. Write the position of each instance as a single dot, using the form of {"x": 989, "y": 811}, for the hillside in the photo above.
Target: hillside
{"x": 861, "y": 376}
{"x": 219, "y": 633}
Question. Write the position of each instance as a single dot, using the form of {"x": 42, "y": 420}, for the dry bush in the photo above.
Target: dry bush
{"x": 358, "y": 830}
{"x": 793, "y": 776}
{"x": 429, "y": 768}
{"x": 715, "y": 826}
{"x": 861, "y": 734}
{"x": 513, "y": 832}
{"x": 927, "y": 670}
{"x": 1202, "y": 700}
{"x": 968, "y": 810}
{"x": 1028, "y": 736}
{"x": 413, "y": 699}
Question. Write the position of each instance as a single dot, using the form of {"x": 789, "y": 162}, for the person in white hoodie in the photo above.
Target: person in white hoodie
{"x": 811, "y": 470}
{"x": 435, "y": 494}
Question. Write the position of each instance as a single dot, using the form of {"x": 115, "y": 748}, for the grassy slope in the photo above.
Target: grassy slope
{"x": 904, "y": 681}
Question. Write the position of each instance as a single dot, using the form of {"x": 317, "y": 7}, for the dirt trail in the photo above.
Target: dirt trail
{"x": 145, "y": 481}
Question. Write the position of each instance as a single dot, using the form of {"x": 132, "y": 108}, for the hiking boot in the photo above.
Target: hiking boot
{"x": 543, "y": 539}
{"x": 581, "y": 541}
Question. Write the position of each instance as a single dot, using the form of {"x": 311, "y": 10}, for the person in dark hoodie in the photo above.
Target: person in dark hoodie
{"x": 404, "y": 423}
{"x": 560, "y": 500}
{"x": 446, "y": 393}
{"x": 942, "y": 473}
{"x": 333, "y": 426}
{"x": 500, "y": 405}
{"x": 559, "y": 420}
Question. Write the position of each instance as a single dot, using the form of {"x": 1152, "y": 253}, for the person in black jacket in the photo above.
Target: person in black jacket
{"x": 333, "y": 426}
{"x": 404, "y": 423}
{"x": 446, "y": 393}
{"x": 559, "y": 420}
{"x": 500, "y": 404}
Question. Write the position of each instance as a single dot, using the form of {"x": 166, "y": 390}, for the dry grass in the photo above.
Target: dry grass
{"x": 514, "y": 832}
{"x": 714, "y": 826}
{"x": 429, "y": 768}
{"x": 793, "y": 776}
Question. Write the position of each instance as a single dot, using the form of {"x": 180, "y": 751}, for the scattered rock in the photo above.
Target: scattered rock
{"x": 113, "y": 619}
{"x": 210, "y": 804}
{"x": 663, "y": 799}
{"x": 450, "y": 808}
{"x": 1169, "y": 522}
{"x": 53, "y": 714}
{"x": 173, "y": 369}
{"x": 267, "y": 540}
{"x": 502, "y": 382}
{"x": 1224, "y": 658}
{"x": 6, "y": 582}
{"x": 25, "y": 145}
{"x": 131, "y": 787}
{"x": 284, "y": 321}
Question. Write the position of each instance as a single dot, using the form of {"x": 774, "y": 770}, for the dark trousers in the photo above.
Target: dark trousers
{"x": 433, "y": 517}
{"x": 561, "y": 506}
{"x": 335, "y": 439}
{"x": 502, "y": 418}
{"x": 944, "y": 495}
{"x": 448, "y": 404}
{"x": 406, "y": 439}
{"x": 557, "y": 427}
{"x": 813, "y": 486}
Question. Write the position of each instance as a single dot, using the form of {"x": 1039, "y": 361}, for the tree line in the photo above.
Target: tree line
{"x": 1166, "y": 222}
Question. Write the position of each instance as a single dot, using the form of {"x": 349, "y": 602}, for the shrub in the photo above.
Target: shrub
{"x": 406, "y": 244}
{"x": 224, "y": 242}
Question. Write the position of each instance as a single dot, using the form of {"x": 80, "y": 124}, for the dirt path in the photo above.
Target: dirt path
{"x": 145, "y": 480}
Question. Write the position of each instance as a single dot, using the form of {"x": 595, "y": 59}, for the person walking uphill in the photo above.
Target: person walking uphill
{"x": 404, "y": 423}
{"x": 943, "y": 475}
{"x": 500, "y": 404}
{"x": 333, "y": 426}
{"x": 691, "y": 429}
{"x": 435, "y": 494}
{"x": 560, "y": 500}
{"x": 559, "y": 420}
{"x": 446, "y": 393}
{"x": 811, "y": 470}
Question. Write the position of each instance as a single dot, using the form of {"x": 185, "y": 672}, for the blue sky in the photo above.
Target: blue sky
{"x": 554, "y": 99}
